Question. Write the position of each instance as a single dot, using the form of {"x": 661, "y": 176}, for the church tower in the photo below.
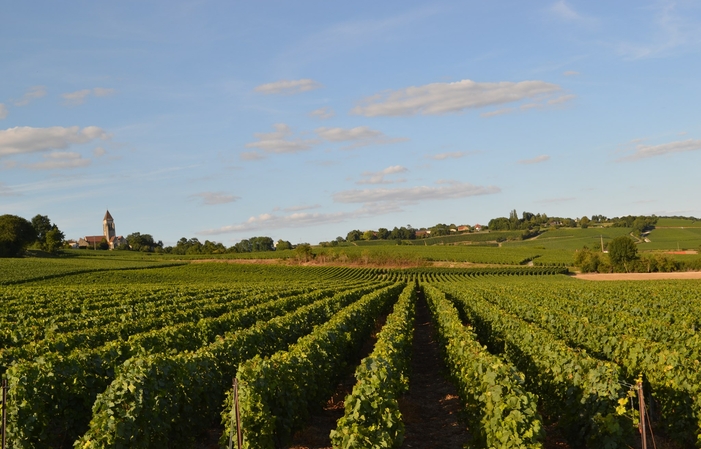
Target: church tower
{"x": 108, "y": 226}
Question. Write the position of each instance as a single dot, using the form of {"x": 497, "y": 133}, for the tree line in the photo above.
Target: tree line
{"x": 17, "y": 234}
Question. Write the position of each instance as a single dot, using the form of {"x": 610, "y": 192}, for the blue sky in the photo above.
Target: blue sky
{"x": 304, "y": 120}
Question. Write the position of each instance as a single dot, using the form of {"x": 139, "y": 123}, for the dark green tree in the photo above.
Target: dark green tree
{"x": 622, "y": 251}
{"x": 16, "y": 233}
{"x": 354, "y": 235}
{"x": 283, "y": 245}
{"x": 304, "y": 253}
{"x": 49, "y": 237}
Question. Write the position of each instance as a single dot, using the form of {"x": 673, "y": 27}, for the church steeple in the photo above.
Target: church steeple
{"x": 108, "y": 226}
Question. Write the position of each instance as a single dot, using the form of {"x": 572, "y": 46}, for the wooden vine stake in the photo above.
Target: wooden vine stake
{"x": 236, "y": 416}
{"x": 641, "y": 407}
{"x": 4, "y": 413}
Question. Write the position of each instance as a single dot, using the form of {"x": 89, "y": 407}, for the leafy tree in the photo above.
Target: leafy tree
{"x": 369, "y": 235}
{"x": 499, "y": 224}
{"x": 49, "y": 237}
{"x": 53, "y": 240}
{"x": 16, "y": 233}
{"x": 42, "y": 225}
{"x": 354, "y": 235}
{"x": 283, "y": 245}
{"x": 439, "y": 230}
{"x": 141, "y": 242}
{"x": 584, "y": 222}
{"x": 103, "y": 245}
{"x": 383, "y": 233}
{"x": 622, "y": 250}
{"x": 304, "y": 253}
{"x": 589, "y": 261}
{"x": 244, "y": 246}
{"x": 262, "y": 244}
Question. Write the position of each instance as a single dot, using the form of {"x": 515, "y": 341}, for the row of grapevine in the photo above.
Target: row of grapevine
{"x": 94, "y": 328}
{"x": 581, "y": 392}
{"x": 501, "y": 412}
{"x": 159, "y": 400}
{"x": 674, "y": 376}
{"x": 372, "y": 417}
{"x": 57, "y": 390}
{"x": 278, "y": 393}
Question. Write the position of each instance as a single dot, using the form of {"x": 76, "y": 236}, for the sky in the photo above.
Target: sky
{"x": 224, "y": 120}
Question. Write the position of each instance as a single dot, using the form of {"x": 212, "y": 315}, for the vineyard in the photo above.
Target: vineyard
{"x": 141, "y": 354}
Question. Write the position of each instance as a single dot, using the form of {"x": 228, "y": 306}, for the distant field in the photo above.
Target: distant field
{"x": 459, "y": 253}
{"x": 477, "y": 237}
{"x": 14, "y": 271}
{"x": 673, "y": 239}
{"x": 571, "y": 238}
{"x": 677, "y": 222}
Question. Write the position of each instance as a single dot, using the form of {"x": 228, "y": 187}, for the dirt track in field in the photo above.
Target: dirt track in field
{"x": 431, "y": 408}
{"x": 638, "y": 276}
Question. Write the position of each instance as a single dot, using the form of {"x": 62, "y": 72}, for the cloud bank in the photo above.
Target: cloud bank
{"x": 78, "y": 97}
{"x": 448, "y": 190}
{"x": 380, "y": 177}
{"x": 535, "y": 160}
{"x": 25, "y": 139}
{"x": 289, "y": 86}
{"x": 445, "y": 98}
{"x": 279, "y": 141}
{"x": 359, "y": 136}
{"x": 213, "y": 198}
{"x": 646, "y": 151}
{"x": 32, "y": 94}
{"x": 59, "y": 160}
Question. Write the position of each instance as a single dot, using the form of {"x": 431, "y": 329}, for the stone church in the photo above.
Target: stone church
{"x": 108, "y": 233}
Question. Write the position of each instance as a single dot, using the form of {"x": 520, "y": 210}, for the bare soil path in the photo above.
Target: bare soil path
{"x": 431, "y": 408}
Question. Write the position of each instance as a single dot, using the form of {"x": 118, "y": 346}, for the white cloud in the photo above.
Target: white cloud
{"x": 78, "y": 97}
{"x": 527, "y": 106}
{"x": 645, "y": 151}
{"x": 3, "y": 111}
{"x": 212, "y": 198}
{"x": 451, "y": 155}
{"x": 380, "y": 177}
{"x": 570, "y": 73}
{"x": 497, "y": 112}
{"x": 360, "y": 136}
{"x": 32, "y": 94}
{"x": 280, "y": 141}
{"x": 103, "y": 91}
{"x": 301, "y": 219}
{"x": 322, "y": 113}
{"x": 289, "y": 86}
{"x": 561, "y": 99}
{"x": 448, "y": 190}
{"x": 301, "y": 208}
{"x": 443, "y": 98}
{"x": 99, "y": 151}
{"x": 535, "y": 160}
{"x": 60, "y": 160}
{"x": 251, "y": 156}
{"x": 25, "y": 139}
